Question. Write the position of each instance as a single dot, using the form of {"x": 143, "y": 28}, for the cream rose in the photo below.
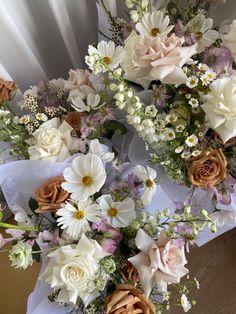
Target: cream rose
{"x": 79, "y": 84}
{"x": 156, "y": 58}
{"x": 220, "y": 107}
{"x": 230, "y": 39}
{"x": 160, "y": 262}
{"x": 51, "y": 141}
{"x": 71, "y": 268}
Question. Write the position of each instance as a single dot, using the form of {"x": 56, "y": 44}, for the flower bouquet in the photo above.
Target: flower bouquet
{"x": 172, "y": 73}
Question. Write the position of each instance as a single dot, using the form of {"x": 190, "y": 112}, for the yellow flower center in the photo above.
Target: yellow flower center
{"x": 154, "y": 32}
{"x": 198, "y": 35}
{"x": 79, "y": 214}
{"x": 107, "y": 60}
{"x": 112, "y": 212}
{"x": 87, "y": 180}
{"x": 149, "y": 183}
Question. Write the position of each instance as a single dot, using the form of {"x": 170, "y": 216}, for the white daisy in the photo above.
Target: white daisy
{"x": 75, "y": 217}
{"x": 203, "y": 67}
{"x": 193, "y": 102}
{"x": 154, "y": 24}
{"x": 192, "y": 81}
{"x": 191, "y": 140}
{"x": 185, "y": 303}
{"x": 179, "y": 149}
{"x": 180, "y": 128}
{"x": 92, "y": 100}
{"x": 84, "y": 177}
{"x": 171, "y": 118}
{"x": 185, "y": 155}
{"x": 205, "y": 79}
{"x": 41, "y": 117}
{"x": 117, "y": 214}
{"x": 169, "y": 134}
{"x": 100, "y": 150}
{"x": 196, "y": 153}
{"x": 204, "y": 35}
{"x": 147, "y": 176}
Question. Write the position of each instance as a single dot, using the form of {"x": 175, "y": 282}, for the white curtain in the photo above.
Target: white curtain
{"x": 43, "y": 39}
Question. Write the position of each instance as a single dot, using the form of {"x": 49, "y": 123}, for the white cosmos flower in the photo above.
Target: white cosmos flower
{"x": 100, "y": 150}
{"x": 92, "y": 100}
{"x": 203, "y": 32}
{"x": 75, "y": 217}
{"x": 105, "y": 56}
{"x": 154, "y": 24}
{"x": 117, "y": 214}
{"x": 71, "y": 268}
{"x": 147, "y": 176}
{"x": 185, "y": 303}
{"x": 84, "y": 177}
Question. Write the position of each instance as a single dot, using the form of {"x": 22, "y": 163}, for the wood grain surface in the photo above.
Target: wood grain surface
{"x": 214, "y": 265}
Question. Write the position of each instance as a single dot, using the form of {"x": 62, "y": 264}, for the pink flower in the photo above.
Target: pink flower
{"x": 79, "y": 84}
{"x": 109, "y": 246}
{"x": 100, "y": 226}
{"x": 219, "y": 59}
{"x": 47, "y": 239}
{"x": 160, "y": 262}
{"x": 156, "y": 58}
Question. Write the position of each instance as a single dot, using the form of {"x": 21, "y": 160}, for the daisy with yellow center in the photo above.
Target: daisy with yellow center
{"x": 75, "y": 217}
{"x": 84, "y": 177}
{"x": 154, "y": 24}
{"x": 117, "y": 214}
{"x": 147, "y": 176}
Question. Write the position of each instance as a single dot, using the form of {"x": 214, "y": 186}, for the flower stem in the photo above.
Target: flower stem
{"x": 9, "y": 226}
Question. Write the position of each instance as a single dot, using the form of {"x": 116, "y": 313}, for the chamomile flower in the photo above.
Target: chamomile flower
{"x": 147, "y": 176}
{"x": 188, "y": 96}
{"x": 75, "y": 217}
{"x": 179, "y": 149}
{"x": 211, "y": 75}
{"x": 202, "y": 67}
{"x": 84, "y": 177}
{"x": 185, "y": 303}
{"x": 117, "y": 214}
{"x": 191, "y": 140}
{"x": 154, "y": 24}
{"x": 41, "y": 117}
{"x": 196, "y": 153}
{"x": 205, "y": 79}
{"x": 93, "y": 101}
{"x": 169, "y": 134}
{"x": 185, "y": 155}
{"x": 24, "y": 119}
{"x": 171, "y": 118}
{"x": 193, "y": 102}
{"x": 179, "y": 128}
{"x": 192, "y": 81}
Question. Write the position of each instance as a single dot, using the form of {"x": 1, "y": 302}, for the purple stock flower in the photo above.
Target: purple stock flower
{"x": 47, "y": 239}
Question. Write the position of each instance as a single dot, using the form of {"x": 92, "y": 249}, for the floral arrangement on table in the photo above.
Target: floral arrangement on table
{"x": 105, "y": 254}
{"x": 174, "y": 75}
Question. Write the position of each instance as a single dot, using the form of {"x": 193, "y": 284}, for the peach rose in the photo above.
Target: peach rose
{"x": 128, "y": 299}
{"x": 208, "y": 169}
{"x": 73, "y": 118}
{"x": 156, "y": 58}
{"x": 159, "y": 263}
{"x": 50, "y": 195}
{"x": 6, "y": 90}
{"x": 79, "y": 84}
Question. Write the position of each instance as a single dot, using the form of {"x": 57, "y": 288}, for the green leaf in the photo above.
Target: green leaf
{"x": 36, "y": 256}
{"x": 114, "y": 128}
{"x": 33, "y": 205}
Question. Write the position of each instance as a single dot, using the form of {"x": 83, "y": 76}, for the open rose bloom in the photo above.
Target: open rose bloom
{"x": 160, "y": 262}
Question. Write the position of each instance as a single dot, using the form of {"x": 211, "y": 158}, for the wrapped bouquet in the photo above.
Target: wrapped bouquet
{"x": 95, "y": 218}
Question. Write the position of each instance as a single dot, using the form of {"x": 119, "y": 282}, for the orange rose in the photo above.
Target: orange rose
{"x": 74, "y": 120}
{"x": 6, "y": 89}
{"x": 208, "y": 169}
{"x": 50, "y": 195}
{"x": 128, "y": 299}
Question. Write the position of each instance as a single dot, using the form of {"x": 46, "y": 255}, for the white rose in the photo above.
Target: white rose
{"x": 230, "y": 39}
{"x": 220, "y": 107}
{"x": 51, "y": 141}
{"x": 71, "y": 268}
{"x": 21, "y": 255}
